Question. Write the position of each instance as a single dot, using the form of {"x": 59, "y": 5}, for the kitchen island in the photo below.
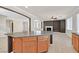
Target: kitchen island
{"x": 30, "y": 42}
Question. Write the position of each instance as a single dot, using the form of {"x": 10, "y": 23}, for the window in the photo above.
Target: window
{"x": 37, "y": 24}
{"x": 69, "y": 23}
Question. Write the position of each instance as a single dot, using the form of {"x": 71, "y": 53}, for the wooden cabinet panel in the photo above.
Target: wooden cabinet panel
{"x": 62, "y": 26}
{"x": 43, "y": 43}
{"x": 75, "y": 42}
{"x": 17, "y": 45}
{"x": 30, "y": 44}
{"x": 56, "y": 26}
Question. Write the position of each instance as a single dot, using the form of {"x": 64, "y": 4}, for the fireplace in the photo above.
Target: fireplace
{"x": 48, "y": 28}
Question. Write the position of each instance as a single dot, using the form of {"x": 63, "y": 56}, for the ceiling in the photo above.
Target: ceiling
{"x": 43, "y": 12}
{"x": 11, "y": 15}
{"x": 47, "y": 12}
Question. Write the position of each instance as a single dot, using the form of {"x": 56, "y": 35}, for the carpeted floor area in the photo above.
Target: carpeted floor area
{"x": 61, "y": 44}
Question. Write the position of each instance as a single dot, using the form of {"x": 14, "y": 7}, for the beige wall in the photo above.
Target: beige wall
{"x": 18, "y": 26}
{"x": 74, "y": 24}
{"x": 3, "y": 38}
{"x": 2, "y": 24}
{"x": 73, "y": 14}
{"x": 3, "y": 44}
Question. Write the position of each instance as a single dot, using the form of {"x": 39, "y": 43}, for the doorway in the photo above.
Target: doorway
{"x": 9, "y": 25}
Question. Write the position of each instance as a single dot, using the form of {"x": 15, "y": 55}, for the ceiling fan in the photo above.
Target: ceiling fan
{"x": 54, "y": 18}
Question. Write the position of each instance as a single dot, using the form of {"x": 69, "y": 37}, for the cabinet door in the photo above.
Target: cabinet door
{"x": 75, "y": 42}
{"x": 62, "y": 26}
{"x": 43, "y": 43}
{"x": 30, "y": 44}
{"x": 17, "y": 45}
{"x": 73, "y": 39}
{"x": 56, "y": 26}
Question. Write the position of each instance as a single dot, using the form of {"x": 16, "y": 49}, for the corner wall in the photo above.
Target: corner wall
{"x": 74, "y": 22}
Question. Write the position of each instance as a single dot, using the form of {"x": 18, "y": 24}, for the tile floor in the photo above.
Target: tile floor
{"x": 61, "y": 44}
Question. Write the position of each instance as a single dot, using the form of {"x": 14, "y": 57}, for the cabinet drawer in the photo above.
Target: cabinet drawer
{"x": 43, "y": 38}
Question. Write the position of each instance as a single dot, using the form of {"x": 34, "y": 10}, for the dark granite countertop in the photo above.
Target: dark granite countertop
{"x": 33, "y": 33}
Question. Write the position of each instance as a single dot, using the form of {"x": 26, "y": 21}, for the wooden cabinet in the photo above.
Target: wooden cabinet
{"x": 62, "y": 26}
{"x": 43, "y": 43}
{"x": 30, "y": 44}
{"x": 56, "y": 26}
{"x": 75, "y": 42}
{"x": 17, "y": 45}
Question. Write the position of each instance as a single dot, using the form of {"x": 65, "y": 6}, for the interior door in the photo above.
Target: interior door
{"x": 56, "y": 26}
